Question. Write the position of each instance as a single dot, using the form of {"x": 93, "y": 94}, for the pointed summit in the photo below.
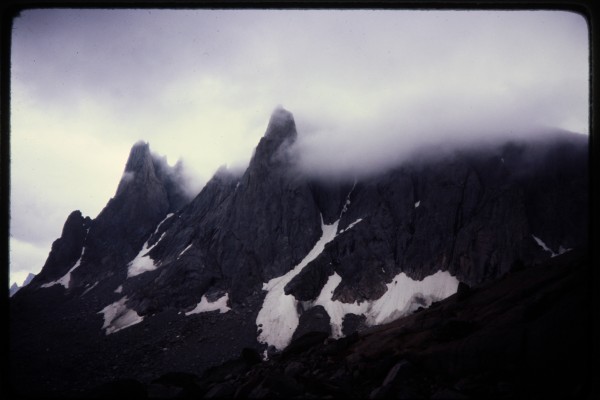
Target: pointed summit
{"x": 280, "y": 135}
{"x": 139, "y": 168}
{"x": 281, "y": 125}
{"x": 139, "y": 157}
{"x": 66, "y": 250}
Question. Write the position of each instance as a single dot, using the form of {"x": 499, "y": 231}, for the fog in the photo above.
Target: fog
{"x": 366, "y": 87}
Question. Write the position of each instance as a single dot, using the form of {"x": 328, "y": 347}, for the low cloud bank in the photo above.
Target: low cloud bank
{"x": 346, "y": 147}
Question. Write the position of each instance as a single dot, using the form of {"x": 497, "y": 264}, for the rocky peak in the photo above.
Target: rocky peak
{"x": 281, "y": 125}
{"x": 139, "y": 157}
{"x": 280, "y": 135}
{"x": 65, "y": 250}
{"x": 139, "y": 167}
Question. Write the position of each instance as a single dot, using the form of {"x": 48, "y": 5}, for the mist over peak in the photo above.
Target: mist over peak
{"x": 348, "y": 148}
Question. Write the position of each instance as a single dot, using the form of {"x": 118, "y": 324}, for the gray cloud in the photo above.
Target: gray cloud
{"x": 366, "y": 87}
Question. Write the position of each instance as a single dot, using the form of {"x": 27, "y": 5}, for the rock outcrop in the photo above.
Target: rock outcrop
{"x": 66, "y": 250}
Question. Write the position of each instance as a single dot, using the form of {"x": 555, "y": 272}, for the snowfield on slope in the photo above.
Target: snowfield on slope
{"x": 278, "y": 317}
{"x": 403, "y": 296}
{"x": 117, "y": 316}
{"x": 66, "y": 278}
{"x": 540, "y": 242}
{"x": 143, "y": 262}
{"x": 206, "y": 306}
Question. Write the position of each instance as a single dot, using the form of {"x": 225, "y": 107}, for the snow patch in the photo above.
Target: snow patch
{"x": 117, "y": 316}
{"x": 336, "y": 309}
{"x": 278, "y": 316}
{"x": 351, "y": 225}
{"x": 206, "y": 306}
{"x": 66, "y": 278}
{"x": 417, "y": 204}
{"x": 143, "y": 262}
{"x": 184, "y": 250}
{"x": 119, "y": 289}
{"x": 561, "y": 249}
{"x": 403, "y": 296}
{"x": 90, "y": 288}
{"x": 161, "y": 222}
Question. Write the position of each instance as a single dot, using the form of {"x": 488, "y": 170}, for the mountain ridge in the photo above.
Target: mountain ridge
{"x": 337, "y": 256}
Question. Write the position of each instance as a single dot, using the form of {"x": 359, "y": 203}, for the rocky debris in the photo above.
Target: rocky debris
{"x": 129, "y": 388}
{"x": 314, "y": 319}
{"x": 427, "y": 355}
{"x": 353, "y": 323}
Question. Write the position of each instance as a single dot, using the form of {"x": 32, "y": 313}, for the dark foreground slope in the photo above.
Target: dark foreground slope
{"x": 527, "y": 335}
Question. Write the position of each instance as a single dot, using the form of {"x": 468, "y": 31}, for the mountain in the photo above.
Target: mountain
{"x": 161, "y": 283}
{"x": 15, "y": 288}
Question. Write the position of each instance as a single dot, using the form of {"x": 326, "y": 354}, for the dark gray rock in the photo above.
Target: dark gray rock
{"x": 304, "y": 342}
{"x": 448, "y": 394}
{"x": 66, "y": 250}
{"x": 248, "y": 229}
{"x": 314, "y": 319}
{"x": 307, "y": 285}
{"x": 147, "y": 192}
{"x": 353, "y": 323}
{"x": 472, "y": 212}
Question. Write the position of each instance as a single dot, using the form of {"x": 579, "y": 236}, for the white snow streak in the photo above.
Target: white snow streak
{"x": 205, "y": 306}
{"x": 90, "y": 288}
{"x": 119, "y": 289}
{"x": 184, "y": 250}
{"x": 278, "y": 317}
{"x": 142, "y": 262}
{"x": 117, "y": 316}
{"x": 66, "y": 278}
{"x": 561, "y": 250}
{"x": 161, "y": 222}
{"x": 403, "y": 296}
{"x": 418, "y": 203}
{"x": 350, "y": 226}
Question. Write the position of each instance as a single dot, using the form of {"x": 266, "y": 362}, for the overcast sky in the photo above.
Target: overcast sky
{"x": 363, "y": 85}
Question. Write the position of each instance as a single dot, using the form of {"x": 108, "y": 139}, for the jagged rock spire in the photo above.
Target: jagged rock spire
{"x": 65, "y": 250}
{"x": 139, "y": 156}
{"x": 139, "y": 167}
{"x": 280, "y": 135}
{"x": 281, "y": 125}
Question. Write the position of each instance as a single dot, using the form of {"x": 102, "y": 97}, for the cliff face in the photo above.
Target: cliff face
{"x": 477, "y": 214}
{"x": 257, "y": 259}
